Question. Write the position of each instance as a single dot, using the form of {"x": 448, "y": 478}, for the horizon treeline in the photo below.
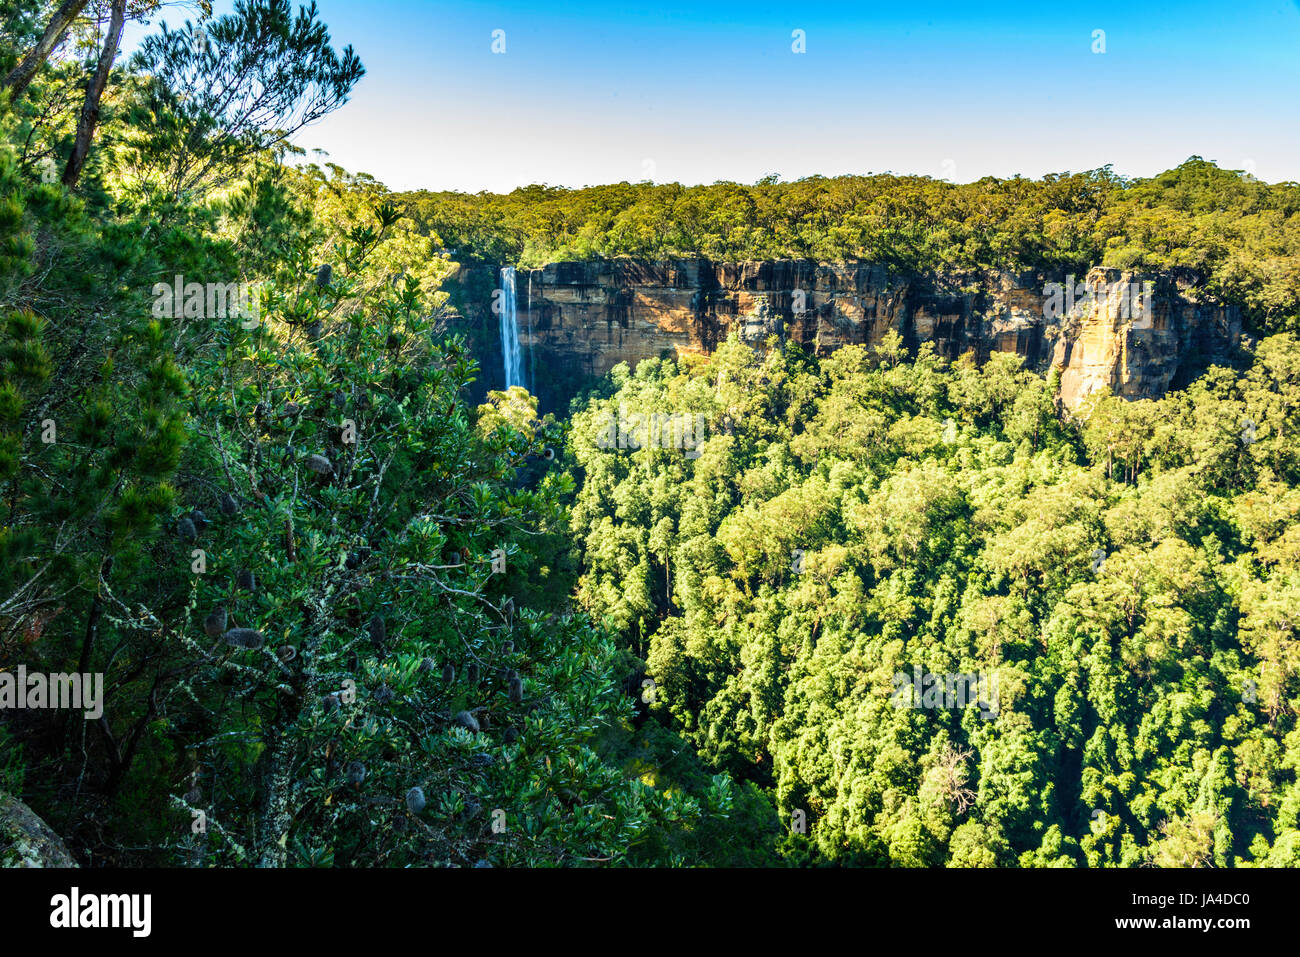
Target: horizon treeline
{"x": 1239, "y": 234}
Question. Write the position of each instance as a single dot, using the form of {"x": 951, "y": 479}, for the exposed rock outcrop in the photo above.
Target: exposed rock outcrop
{"x": 26, "y": 840}
{"x": 1138, "y": 334}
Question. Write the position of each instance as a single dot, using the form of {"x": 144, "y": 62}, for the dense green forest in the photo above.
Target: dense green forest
{"x": 345, "y": 618}
{"x": 1126, "y": 584}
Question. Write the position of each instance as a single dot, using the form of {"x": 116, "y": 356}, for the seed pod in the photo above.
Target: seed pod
{"x": 480, "y": 760}
{"x": 185, "y": 529}
{"x": 199, "y": 519}
{"x": 259, "y": 411}
{"x": 324, "y": 276}
{"x": 426, "y": 665}
{"x": 246, "y": 580}
{"x": 394, "y": 342}
{"x": 448, "y": 674}
{"x": 228, "y": 505}
{"x": 291, "y": 409}
{"x": 384, "y": 694}
{"x": 244, "y": 638}
{"x": 511, "y": 736}
{"x": 378, "y": 632}
{"x": 356, "y": 773}
{"x": 314, "y": 330}
{"x": 340, "y": 398}
{"x": 471, "y": 674}
{"x": 516, "y": 689}
{"x": 319, "y": 464}
{"x": 466, "y": 721}
{"x": 549, "y": 454}
{"x": 286, "y": 653}
{"x": 214, "y": 626}
{"x": 352, "y": 561}
{"x": 331, "y": 703}
{"x": 415, "y": 800}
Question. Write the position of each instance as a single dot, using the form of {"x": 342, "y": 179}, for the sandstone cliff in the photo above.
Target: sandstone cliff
{"x": 580, "y": 319}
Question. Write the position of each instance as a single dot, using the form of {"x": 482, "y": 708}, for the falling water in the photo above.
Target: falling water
{"x": 509, "y": 321}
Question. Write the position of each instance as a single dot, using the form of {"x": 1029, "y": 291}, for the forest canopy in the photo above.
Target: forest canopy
{"x": 1240, "y": 234}
{"x": 1117, "y": 591}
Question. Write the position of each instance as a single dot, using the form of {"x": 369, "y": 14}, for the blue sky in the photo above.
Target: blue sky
{"x": 698, "y": 92}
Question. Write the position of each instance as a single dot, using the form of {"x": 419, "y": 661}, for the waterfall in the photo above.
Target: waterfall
{"x": 508, "y": 318}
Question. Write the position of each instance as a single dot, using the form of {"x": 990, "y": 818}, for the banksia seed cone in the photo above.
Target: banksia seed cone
{"x": 244, "y": 638}
{"x": 215, "y": 624}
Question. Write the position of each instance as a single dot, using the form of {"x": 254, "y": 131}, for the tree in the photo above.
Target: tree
{"x": 89, "y": 116}
{"x": 21, "y": 76}
{"x": 220, "y": 94}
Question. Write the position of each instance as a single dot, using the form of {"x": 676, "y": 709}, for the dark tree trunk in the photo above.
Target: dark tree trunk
{"x": 94, "y": 92}
{"x": 21, "y": 76}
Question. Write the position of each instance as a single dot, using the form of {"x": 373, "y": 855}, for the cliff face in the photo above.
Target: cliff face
{"x": 1138, "y": 334}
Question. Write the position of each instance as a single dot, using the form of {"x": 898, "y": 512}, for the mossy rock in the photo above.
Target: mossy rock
{"x": 26, "y": 840}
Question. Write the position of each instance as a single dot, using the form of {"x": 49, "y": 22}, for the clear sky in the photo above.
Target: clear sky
{"x": 696, "y": 92}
